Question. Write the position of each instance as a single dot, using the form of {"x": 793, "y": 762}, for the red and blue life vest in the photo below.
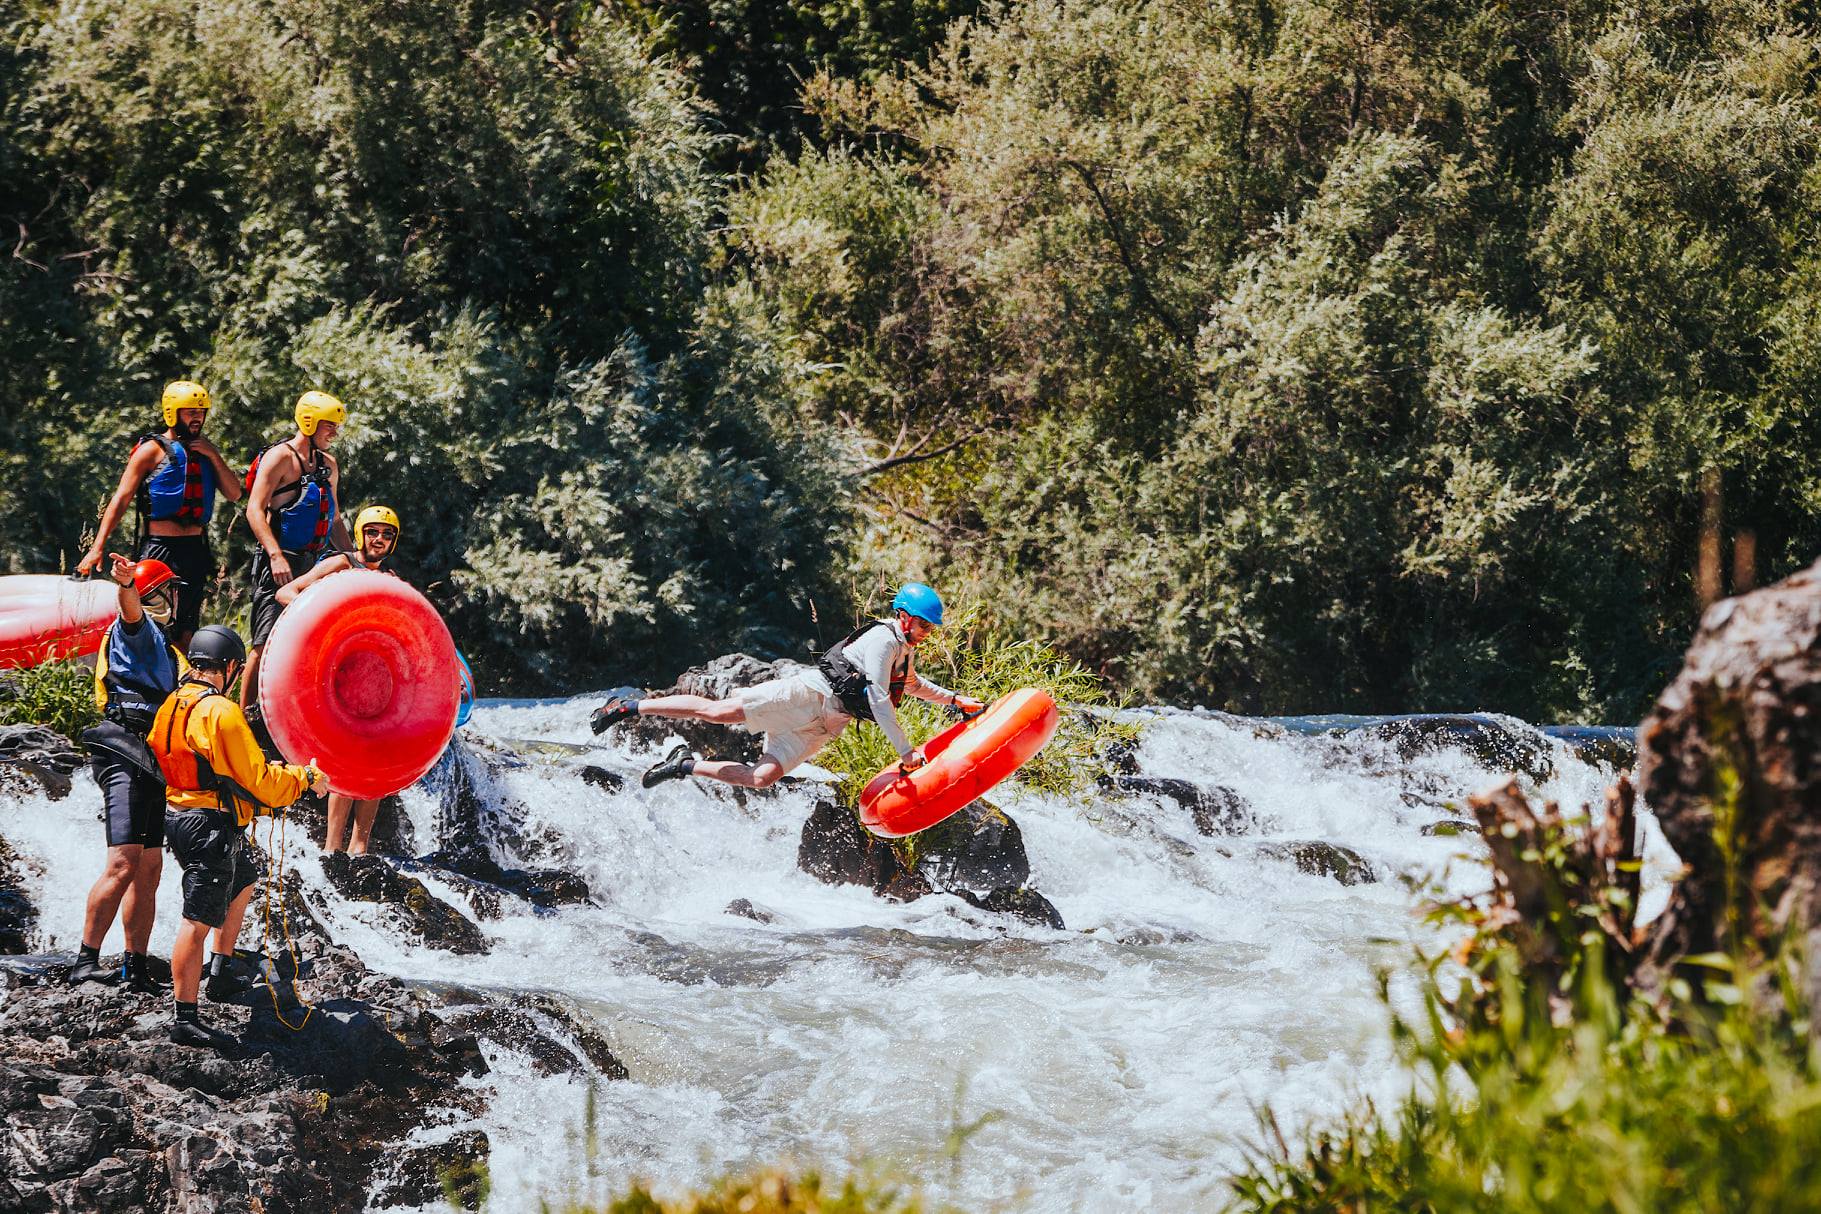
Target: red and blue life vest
{"x": 303, "y": 525}
{"x": 180, "y": 489}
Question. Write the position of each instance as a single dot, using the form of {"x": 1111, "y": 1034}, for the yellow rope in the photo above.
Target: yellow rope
{"x": 275, "y": 840}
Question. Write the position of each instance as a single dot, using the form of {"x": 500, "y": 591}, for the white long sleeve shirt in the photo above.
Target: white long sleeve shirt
{"x": 877, "y": 654}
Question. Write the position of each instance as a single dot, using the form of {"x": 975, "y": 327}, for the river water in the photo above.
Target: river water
{"x": 1119, "y": 1064}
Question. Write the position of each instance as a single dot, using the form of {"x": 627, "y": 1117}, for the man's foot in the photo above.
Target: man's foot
{"x": 619, "y": 708}
{"x": 92, "y": 971}
{"x": 674, "y": 766}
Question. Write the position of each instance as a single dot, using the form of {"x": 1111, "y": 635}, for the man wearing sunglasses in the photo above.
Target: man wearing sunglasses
{"x": 864, "y": 677}
{"x": 135, "y": 670}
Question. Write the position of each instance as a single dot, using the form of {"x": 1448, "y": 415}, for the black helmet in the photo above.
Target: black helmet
{"x": 215, "y": 647}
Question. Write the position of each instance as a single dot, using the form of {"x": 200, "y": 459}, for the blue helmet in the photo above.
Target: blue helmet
{"x": 919, "y": 600}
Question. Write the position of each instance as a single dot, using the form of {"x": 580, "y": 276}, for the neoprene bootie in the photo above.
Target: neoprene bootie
{"x": 88, "y": 968}
{"x": 612, "y": 713}
{"x": 136, "y": 975}
{"x": 675, "y": 765}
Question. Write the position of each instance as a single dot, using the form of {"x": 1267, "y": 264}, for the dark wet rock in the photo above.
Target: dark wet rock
{"x": 1214, "y": 808}
{"x": 454, "y": 1169}
{"x": 548, "y": 1030}
{"x": 717, "y": 680}
{"x": 1727, "y": 762}
{"x": 18, "y": 917}
{"x": 1119, "y": 757}
{"x": 837, "y": 850}
{"x": 1024, "y": 903}
{"x": 408, "y": 902}
{"x": 979, "y": 848}
{"x": 544, "y": 888}
{"x": 1449, "y": 827}
{"x": 103, "y": 1113}
{"x": 1323, "y": 859}
{"x": 1615, "y": 746}
{"x": 478, "y": 821}
{"x": 746, "y": 910}
{"x": 33, "y": 757}
{"x": 1500, "y": 745}
{"x": 601, "y": 778}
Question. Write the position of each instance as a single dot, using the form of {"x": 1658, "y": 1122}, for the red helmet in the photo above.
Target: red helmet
{"x": 150, "y": 575}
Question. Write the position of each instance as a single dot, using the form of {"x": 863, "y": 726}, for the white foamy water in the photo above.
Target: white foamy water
{"x": 1123, "y": 1060}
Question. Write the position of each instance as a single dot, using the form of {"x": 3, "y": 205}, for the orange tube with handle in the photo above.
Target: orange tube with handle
{"x": 966, "y": 760}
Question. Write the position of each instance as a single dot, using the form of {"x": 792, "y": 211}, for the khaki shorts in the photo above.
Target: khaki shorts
{"x": 795, "y": 716}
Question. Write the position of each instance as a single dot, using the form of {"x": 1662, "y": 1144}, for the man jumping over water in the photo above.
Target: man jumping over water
{"x": 865, "y": 676}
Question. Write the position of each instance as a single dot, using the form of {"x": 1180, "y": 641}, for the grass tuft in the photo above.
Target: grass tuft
{"x": 57, "y": 695}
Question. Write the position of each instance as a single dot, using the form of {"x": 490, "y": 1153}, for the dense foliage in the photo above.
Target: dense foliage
{"x": 1292, "y": 356}
{"x": 484, "y": 227}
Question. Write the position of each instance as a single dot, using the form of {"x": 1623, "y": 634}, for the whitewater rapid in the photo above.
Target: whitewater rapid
{"x": 1120, "y": 1063}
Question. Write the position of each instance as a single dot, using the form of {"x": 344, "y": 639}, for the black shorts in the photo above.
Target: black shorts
{"x": 218, "y": 861}
{"x": 266, "y": 607}
{"x": 191, "y": 559}
{"x": 133, "y": 800}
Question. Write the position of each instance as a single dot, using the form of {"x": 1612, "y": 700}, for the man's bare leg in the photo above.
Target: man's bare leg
{"x": 763, "y": 774}
{"x": 695, "y": 708}
{"x": 109, "y": 890}
{"x": 140, "y": 905}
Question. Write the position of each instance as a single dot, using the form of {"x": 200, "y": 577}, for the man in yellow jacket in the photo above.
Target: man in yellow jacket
{"x": 217, "y": 779}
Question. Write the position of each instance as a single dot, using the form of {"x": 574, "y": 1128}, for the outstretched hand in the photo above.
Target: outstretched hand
{"x": 121, "y": 569}
{"x": 912, "y": 761}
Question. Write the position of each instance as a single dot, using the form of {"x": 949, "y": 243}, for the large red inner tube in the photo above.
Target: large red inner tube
{"x": 44, "y": 616}
{"x": 965, "y": 761}
{"x": 360, "y": 674}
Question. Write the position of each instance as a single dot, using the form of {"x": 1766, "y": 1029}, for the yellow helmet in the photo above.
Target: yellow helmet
{"x": 183, "y": 394}
{"x": 371, "y": 515}
{"x": 314, "y": 407}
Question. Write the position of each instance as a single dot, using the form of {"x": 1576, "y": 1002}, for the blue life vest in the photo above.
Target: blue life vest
{"x": 302, "y": 526}
{"x": 180, "y": 489}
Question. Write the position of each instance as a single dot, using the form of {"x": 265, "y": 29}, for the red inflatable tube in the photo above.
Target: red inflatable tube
{"x": 965, "y": 761}
{"x": 45, "y": 616}
{"x": 360, "y": 673}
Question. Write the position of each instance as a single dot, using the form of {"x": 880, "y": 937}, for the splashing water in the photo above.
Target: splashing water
{"x": 1123, "y": 1059}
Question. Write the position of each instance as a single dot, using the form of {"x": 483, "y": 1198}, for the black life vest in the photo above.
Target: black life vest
{"x": 849, "y": 682}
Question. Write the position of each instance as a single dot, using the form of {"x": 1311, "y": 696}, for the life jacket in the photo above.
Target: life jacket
{"x": 126, "y": 703}
{"x": 180, "y": 489}
{"x": 185, "y": 770}
{"x": 302, "y": 526}
{"x": 849, "y": 682}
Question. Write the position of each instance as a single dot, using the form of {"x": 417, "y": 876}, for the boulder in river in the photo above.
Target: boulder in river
{"x": 1214, "y": 808}
{"x": 977, "y": 854}
{"x": 34, "y": 755}
{"x": 1320, "y": 858}
{"x": 1508, "y": 746}
{"x": 18, "y": 917}
{"x": 1729, "y": 761}
{"x": 408, "y": 902}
